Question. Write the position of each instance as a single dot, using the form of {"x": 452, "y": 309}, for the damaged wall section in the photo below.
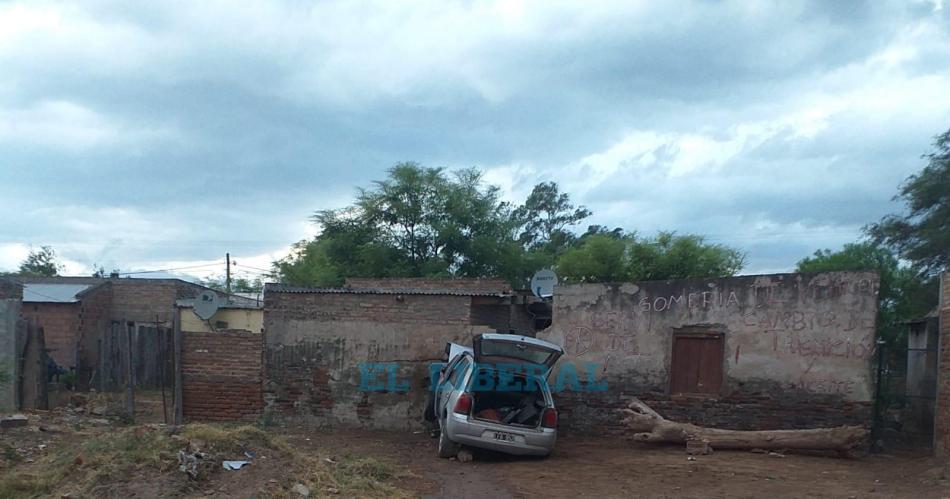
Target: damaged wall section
{"x": 316, "y": 340}
{"x": 752, "y": 352}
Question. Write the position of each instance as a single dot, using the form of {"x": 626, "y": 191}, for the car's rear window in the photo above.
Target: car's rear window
{"x": 513, "y": 350}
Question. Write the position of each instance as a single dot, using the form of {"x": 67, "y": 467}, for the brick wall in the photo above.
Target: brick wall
{"x": 428, "y": 283}
{"x": 142, "y": 300}
{"x": 95, "y": 309}
{"x": 354, "y": 307}
{"x": 942, "y": 422}
{"x": 316, "y": 343}
{"x": 221, "y": 375}
{"x": 60, "y": 323}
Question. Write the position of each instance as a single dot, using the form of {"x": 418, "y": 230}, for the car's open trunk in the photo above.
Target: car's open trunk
{"x": 520, "y": 407}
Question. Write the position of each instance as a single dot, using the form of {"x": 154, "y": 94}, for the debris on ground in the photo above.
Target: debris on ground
{"x": 234, "y": 465}
{"x": 14, "y": 421}
{"x": 648, "y": 426}
{"x": 465, "y": 456}
{"x": 189, "y": 462}
{"x": 698, "y": 446}
{"x": 301, "y": 490}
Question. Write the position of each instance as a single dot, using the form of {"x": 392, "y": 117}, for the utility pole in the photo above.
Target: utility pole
{"x": 228, "y": 272}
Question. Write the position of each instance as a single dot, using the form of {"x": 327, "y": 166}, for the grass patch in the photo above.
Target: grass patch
{"x": 10, "y": 454}
{"x": 96, "y": 465}
{"x": 354, "y": 476}
{"x": 366, "y": 474}
{"x": 235, "y": 439}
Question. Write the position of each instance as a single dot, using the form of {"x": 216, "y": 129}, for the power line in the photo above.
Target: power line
{"x": 255, "y": 268}
{"x": 172, "y": 269}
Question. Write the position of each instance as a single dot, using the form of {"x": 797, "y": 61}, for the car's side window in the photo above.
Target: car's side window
{"x": 458, "y": 372}
{"x": 449, "y": 369}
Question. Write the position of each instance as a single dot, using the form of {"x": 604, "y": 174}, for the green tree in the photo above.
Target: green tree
{"x": 599, "y": 258}
{"x": 417, "y": 222}
{"x": 308, "y": 264}
{"x": 408, "y": 209}
{"x": 922, "y": 234}
{"x": 610, "y": 255}
{"x": 671, "y": 256}
{"x": 546, "y": 216}
{"x": 41, "y": 262}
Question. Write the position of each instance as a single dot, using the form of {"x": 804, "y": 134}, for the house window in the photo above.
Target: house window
{"x": 696, "y": 367}
{"x": 220, "y": 325}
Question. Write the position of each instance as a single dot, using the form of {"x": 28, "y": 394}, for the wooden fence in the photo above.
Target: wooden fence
{"x": 152, "y": 357}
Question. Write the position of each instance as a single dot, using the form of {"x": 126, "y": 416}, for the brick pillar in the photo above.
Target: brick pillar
{"x": 942, "y": 413}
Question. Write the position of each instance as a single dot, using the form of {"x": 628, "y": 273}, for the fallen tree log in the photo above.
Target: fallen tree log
{"x": 649, "y": 426}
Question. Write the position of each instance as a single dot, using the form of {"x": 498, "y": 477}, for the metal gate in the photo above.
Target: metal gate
{"x": 907, "y": 388}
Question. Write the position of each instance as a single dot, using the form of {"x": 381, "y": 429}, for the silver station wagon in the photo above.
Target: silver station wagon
{"x": 496, "y": 396}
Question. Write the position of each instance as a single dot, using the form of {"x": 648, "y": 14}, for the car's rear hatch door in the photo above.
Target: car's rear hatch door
{"x": 513, "y": 348}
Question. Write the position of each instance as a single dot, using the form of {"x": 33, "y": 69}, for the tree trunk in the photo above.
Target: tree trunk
{"x": 651, "y": 427}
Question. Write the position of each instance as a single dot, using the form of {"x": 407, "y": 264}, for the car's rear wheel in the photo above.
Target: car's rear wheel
{"x": 447, "y": 448}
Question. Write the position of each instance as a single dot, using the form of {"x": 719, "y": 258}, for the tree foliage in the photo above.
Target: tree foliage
{"x": 922, "y": 234}
{"x": 545, "y": 217}
{"x": 41, "y": 262}
{"x": 611, "y": 256}
{"x": 599, "y": 258}
{"x": 671, "y": 256}
{"x": 417, "y": 222}
{"x": 422, "y": 221}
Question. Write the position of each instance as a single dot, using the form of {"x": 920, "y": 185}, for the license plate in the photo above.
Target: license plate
{"x": 504, "y": 437}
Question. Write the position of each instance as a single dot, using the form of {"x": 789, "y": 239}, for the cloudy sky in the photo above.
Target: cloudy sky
{"x": 153, "y": 135}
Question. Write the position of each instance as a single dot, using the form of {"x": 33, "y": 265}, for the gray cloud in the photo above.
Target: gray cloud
{"x": 149, "y": 133}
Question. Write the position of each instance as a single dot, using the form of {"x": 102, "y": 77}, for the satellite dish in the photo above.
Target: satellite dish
{"x": 543, "y": 282}
{"x": 206, "y": 305}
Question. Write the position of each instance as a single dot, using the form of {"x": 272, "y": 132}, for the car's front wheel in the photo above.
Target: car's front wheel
{"x": 447, "y": 448}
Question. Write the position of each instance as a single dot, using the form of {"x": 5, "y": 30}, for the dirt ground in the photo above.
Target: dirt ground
{"x": 599, "y": 467}
{"x": 361, "y": 463}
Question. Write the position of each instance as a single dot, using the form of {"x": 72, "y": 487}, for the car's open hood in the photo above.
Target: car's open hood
{"x": 514, "y": 348}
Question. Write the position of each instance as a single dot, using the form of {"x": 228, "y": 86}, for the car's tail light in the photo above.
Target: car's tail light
{"x": 549, "y": 418}
{"x": 464, "y": 404}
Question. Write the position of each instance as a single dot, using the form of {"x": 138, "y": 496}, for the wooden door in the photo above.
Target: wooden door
{"x": 696, "y": 367}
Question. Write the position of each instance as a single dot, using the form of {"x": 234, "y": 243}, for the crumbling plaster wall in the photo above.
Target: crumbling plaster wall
{"x": 315, "y": 343}
{"x": 798, "y": 348}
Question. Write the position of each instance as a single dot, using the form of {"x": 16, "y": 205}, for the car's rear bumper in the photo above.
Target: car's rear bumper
{"x": 530, "y": 441}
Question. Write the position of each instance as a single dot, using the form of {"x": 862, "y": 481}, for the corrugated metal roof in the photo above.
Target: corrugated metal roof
{"x": 285, "y": 288}
{"x": 52, "y": 293}
{"x": 225, "y": 303}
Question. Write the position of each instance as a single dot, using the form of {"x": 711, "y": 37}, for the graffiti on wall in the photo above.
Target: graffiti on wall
{"x": 610, "y": 332}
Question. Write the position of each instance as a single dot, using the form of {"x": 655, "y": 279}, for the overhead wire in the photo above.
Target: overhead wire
{"x": 173, "y": 269}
